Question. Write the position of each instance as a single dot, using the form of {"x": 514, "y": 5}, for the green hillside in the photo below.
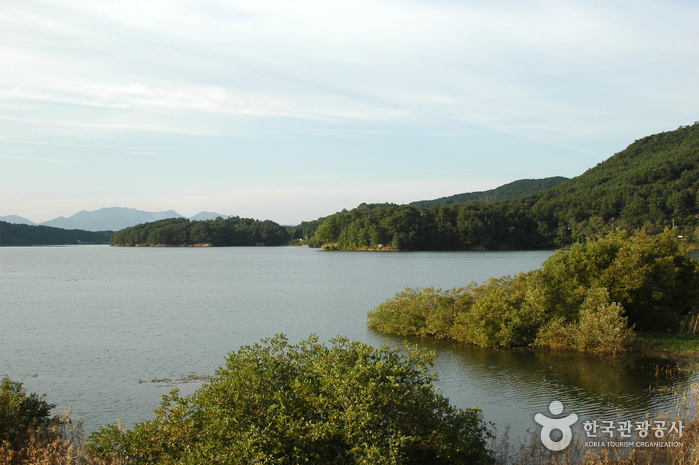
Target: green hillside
{"x": 650, "y": 183}
{"x": 513, "y": 190}
{"x": 24, "y": 234}
{"x": 175, "y": 232}
{"x": 653, "y": 183}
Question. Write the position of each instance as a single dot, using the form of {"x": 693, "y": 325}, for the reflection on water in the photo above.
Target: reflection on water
{"x": 511, "y": 386}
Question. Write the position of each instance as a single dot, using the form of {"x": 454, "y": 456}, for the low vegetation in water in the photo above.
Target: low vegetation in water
{"x": 276, "y": 402}
{"x": 682, "y": 343}
{"x": 592, "y": 297}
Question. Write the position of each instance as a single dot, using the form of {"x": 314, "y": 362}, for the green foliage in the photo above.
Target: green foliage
{"x": 512, "y": 190}
{"x": 601, "y": 327}
{"x": 504, "y": 312}
{"x": 653, "y": 277}
{"x": 462, "y": 227}
{"x": 307, "y": 403}
{"x": 682, "y": 342}
{"x": 653, "y": 183}
{"x": 21, "y": 414}
{"x": 418, "y": 312}
{"x": 233, "y": 231}
{"x": 24, "y": 234}
{"x": 304, "y": 230}
{"x": 588, "y": 298}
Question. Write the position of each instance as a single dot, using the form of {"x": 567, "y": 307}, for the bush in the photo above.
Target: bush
{"x": 420, "y": 312}
{"x": 307, "y": 403}
{"x": 601, "y": 327}
{"x": 21, "y": 414}
{"x": 652, "y": 277}
{"x": 589, "y": 298}
{"x": 503, "y": 312}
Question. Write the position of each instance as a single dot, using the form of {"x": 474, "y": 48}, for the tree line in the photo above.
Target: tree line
{"x": 512, "y": 190}
{"x": 652, "y": 184}
{"x": 233, "y": 231}
{"x": 24, "y": 234}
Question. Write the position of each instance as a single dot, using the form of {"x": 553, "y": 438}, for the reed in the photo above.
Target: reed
{"x": 532, "y": 452}
{"x": 63, "y": 443}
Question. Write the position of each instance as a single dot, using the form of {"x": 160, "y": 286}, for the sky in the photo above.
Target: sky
{"x": 292, "y": 110}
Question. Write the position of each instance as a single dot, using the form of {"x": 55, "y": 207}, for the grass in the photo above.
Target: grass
{"x": 675, "y": 343}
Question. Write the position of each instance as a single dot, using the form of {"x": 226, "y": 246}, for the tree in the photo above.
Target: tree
{"x": 233, "y": 231}
{"x": 329, "y": 231}
{"x": 654, "y": 182}
{"x": 653, "y": 277}
{"x": 308, "y": 403}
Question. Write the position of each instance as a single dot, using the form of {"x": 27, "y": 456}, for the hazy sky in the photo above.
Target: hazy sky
{"x": 291, "y": 110}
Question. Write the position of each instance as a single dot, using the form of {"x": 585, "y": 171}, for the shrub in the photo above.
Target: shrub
{"x": 502, "y": 312}
{"x": 307, "y": 403}
{"x": 30, "y": 436}
{"x": 21, "y": 414}
{"x": 588, "y": 298}
{"x": 421, "y": 312}
{"x": 601, "y": 327}
{"x": 653, "y": 277}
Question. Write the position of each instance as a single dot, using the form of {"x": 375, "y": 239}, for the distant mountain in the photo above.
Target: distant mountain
{"x": 513, "y": 190}
{"x": 14, "y": 219}
{"x": 203, "y": 216}
{"x": 109, "y": 219}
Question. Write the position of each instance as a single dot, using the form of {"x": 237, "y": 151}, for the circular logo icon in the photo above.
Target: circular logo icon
{"x": 561, "y": 424}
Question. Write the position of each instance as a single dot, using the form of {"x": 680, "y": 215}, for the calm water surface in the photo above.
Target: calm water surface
{"x": 93, "y": 326}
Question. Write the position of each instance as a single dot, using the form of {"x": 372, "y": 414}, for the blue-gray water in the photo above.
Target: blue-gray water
{"x": 91, "y": 326}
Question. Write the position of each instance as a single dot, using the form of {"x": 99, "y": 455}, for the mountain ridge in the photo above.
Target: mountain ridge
{"x": 16, "y": 219}
{"x": 511, "y": 190}
{"x": 652, "y": 184}
{"x": 108, "y": 219}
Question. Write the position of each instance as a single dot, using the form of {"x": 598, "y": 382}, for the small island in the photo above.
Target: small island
{"x": 181, "y": 232}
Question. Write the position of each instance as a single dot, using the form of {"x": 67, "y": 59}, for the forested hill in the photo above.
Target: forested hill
{"x": 513, "y": 190}
{"x": 24, "y": 234}
{"x": 650, "y": 184}
{"x": 233, "y": 231}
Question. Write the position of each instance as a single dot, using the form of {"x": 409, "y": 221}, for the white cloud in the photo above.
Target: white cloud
{"x": 373, "y": 60}
{"x": 584, "y": 78}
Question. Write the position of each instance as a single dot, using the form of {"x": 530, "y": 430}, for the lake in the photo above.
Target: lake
{"x": 109, "y": 330}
